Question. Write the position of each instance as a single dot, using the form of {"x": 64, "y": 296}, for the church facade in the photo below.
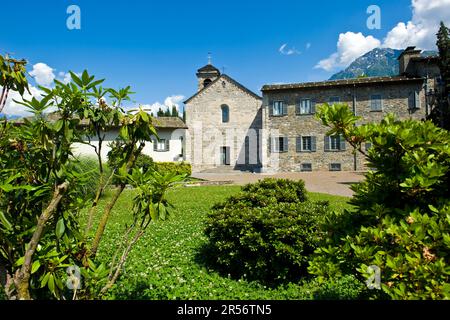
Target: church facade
{"x": 231, "y": 127}
{"x": 224, "y": 121}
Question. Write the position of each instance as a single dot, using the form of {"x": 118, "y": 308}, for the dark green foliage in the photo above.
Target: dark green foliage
{"x": 442, "y": 112}
{"x": 174, "y": 112}
{"x": 402, "y": 220}
{"x": 145, "y": 162}
{"x": 266, "y": 232}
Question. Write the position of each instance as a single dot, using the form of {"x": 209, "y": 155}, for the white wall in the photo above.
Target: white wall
{"x": 176, "y": 146}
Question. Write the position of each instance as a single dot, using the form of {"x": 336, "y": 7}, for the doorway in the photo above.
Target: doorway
{"x": 225, "y": 156}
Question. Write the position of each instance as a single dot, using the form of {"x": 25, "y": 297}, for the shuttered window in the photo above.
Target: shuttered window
{"x": 306, "y": 167}
{"x": 278, "y": 145}
{"x": 335, "y": 143}
{"x": 306, "y": 144}
{"x": 162, "y": 145}
{"x": 278, "y": 109}
{"x": 306, "y": 107}
{"x": 376, "y": 102}
{"x": 414, "y": 100}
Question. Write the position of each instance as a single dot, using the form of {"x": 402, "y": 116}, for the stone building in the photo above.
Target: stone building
{"x": 230, "y": 126}
{"x": 294, "y": 140}
{"x": 224, "y": 122}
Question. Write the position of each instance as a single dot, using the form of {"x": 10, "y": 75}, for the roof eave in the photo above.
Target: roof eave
{"x": 297, "y": 86}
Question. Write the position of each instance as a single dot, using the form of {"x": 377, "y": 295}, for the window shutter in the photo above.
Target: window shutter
{"x": 327, "y": 143}
{"x": 313, "y": 144}
{"x": 285, "y": 144}
{"x": 313, "y": 107}
{"x": 155, "y": 145}
{"x": 271, "y": 105}
{"x": 417, "y": 99}
{"x": 343, "y": 143}
{"x": 297, "y": 107}
{"x": 167, "y": 145}
{"x": 285, "y": 108}
{"x": 299, "y": 144}
{"x": 270, "y": 145}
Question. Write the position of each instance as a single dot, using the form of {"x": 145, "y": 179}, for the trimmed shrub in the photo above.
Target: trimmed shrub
{"x": 179, "y": 168}
{"x": 145, "y": 162}
{"x": 266, "y": 232}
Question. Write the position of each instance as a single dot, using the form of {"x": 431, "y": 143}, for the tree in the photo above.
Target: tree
{"x": 184, "y": 115}
{"x": 40, "y": 202}
{"x": 400, "y": 222}
{"x": 12, "y": 77}
{"x": 174, "y": 112}
{"x": 443, "y": 103}
{"x": 160, "y": 113}
{"x": 167, "y": 113}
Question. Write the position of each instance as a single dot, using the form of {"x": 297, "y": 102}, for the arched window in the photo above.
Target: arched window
{"x": 206, "y": 83}
{"x": 225, "y": 113}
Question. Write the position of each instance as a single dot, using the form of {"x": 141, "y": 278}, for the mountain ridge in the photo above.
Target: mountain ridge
{"x": 380, "y": 62}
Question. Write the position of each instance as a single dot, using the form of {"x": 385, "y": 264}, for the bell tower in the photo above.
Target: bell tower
{"x": 207, "y": 74}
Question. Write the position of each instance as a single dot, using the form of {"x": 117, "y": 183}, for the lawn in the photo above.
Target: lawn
{"x": 165, "y": 262}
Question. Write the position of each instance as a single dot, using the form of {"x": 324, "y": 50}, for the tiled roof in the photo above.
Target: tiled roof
{"x": 340, "y": 83}
{"x": 208, "y": 68}
{"x": 224, "y": 76}
{"x": 158, "y": 122}
{"x": 169, "y": 123}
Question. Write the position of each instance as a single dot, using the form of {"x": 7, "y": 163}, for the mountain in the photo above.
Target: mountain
{"x": 376, "y": 63}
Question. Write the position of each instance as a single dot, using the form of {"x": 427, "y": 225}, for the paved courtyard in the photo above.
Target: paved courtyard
{"x": 335, "y": 183}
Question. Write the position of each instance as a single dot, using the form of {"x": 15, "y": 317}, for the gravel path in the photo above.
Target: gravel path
{"x": 335, "y": 183}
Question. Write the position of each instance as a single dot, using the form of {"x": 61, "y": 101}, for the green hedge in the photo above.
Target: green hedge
{"x": 179, "y": 168}
{"x": 146, "y": 162}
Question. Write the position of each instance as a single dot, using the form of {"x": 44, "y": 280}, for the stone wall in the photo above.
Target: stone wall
{"x": 396, "y": 99}
{"x": 207, "y": 134}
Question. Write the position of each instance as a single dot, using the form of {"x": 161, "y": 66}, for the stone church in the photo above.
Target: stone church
{"x": 233, "y": 128}
{"x": 224, "y": 121}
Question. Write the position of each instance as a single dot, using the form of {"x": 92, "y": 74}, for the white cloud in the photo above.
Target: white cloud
{"x": 421, "y": 30}
{"x": 284, "y": 50}
{"x": 169, "y": 102}
{"x": 349, "y": 47}
{"x": 65, "y": 77}
{"x": 43, "y": 74}
{"x": 15, "y": 109}
{"x": 308, "y": 46}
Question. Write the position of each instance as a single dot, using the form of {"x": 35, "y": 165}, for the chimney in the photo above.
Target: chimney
{"x": 406, "y": 67}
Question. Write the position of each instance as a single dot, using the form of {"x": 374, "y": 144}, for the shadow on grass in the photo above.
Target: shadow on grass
{"x": 206, "y": 257}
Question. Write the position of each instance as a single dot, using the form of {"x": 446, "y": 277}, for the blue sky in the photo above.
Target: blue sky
{"x": 157, "y": 46}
